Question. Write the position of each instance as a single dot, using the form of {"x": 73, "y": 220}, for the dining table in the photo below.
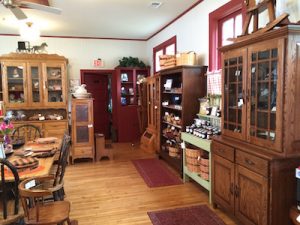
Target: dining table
{"x": 44, "y": 153}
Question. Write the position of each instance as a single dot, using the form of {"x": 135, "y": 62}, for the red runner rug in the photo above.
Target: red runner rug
{"x": 155, "y": 173}
{"x": 194, "y": 215}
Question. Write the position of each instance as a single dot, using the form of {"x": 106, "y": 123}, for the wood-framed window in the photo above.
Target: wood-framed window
{"x": 169, "y": 47}
{"x": 225, "y": 22}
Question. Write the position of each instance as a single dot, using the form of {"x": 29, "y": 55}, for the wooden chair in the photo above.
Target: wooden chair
{"x": 36, "y": 210}
{"x": 9, "y": 194}
{"x": 61, "y": 166}
{"x": 28, "y": 131}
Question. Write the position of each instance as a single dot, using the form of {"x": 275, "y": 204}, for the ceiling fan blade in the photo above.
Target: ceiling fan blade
{"x": 32, "y": 5}
{"x": 18, "y": 13}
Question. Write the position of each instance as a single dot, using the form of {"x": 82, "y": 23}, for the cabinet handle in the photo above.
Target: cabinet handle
{"x": 231, "y": 188}
{"x": 249, "y": 162}
{"x": 155, "y": 107}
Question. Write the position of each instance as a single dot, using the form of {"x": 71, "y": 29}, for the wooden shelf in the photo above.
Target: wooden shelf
{"x": 173, "y": 93}
{"x": 171, "y": 124}
{"x": 205, "y": 145}
{"x": 209, "y": 116}
{"x": 193, "y": 85}
{"x": 172, "y": 107}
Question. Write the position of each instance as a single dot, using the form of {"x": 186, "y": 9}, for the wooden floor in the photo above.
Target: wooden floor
{"x": 112, "y": 192}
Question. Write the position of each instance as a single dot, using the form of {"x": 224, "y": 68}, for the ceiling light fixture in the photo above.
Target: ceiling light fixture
{"x": 29, "y": 32}
{"x": 155, "y": 5}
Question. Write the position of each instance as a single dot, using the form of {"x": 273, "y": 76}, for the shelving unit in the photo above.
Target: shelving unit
{"x": 204, "y": 145}
{"x": 188, "y": 84}
{"x": 126, "y": 96}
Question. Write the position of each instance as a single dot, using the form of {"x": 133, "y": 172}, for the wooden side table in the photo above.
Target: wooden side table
{"x": 294, "y": 213}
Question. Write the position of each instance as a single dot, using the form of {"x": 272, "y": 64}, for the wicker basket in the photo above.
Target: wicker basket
{"x": 188, "y": 58}
{"x": 173, "y": 152}
{"x": 193, "y": 153}
{"x": 192, "y": 161}
{"x": 204, "y": 169}
{"x": 167, "y": 61}
{"x": 204, "y": 162}
{"x": 204, "y": 175}
{"x": 193, "y": 168}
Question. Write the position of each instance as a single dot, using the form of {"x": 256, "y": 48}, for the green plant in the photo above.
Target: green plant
{"x": 131, "y": 62}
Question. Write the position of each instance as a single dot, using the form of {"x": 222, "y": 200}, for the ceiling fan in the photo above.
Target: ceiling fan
{"x": 16, "y": 5}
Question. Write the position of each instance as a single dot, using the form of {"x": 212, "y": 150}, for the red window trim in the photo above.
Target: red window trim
{"x": 162, "y": 46}
{"x": 214, "y": 17}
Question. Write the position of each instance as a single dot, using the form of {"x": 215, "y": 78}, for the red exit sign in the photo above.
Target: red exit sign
{"x": 98, "y": 63}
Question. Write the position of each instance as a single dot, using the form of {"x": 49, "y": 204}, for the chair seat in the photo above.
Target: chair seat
{"x": 50, "y": 213}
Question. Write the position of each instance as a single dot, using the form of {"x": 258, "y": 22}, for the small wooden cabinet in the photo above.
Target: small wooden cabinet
{"x": 34, "y": 81}
{"x": 254, "y": 160}
{"x": 82, "y": 129}
{"x": 125, "y": 113}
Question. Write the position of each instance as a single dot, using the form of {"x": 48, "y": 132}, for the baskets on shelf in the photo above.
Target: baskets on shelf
{"x": 174, "y": 152}
{"x": 197, "y": 162}
{"x": 186, "y": 58}
{"x": 167, "y": 61}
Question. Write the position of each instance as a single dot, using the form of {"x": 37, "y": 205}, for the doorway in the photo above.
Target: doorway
{"x": 98, "y": 83}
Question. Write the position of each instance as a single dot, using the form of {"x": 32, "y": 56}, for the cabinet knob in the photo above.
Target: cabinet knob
{"x": 155, "y": 107}
{"x": 249, "y": 162}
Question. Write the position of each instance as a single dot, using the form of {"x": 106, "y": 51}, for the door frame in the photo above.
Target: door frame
{"x": 103, "y": 72}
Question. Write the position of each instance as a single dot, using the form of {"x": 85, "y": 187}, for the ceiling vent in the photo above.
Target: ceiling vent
{"x": 155, "y": 5}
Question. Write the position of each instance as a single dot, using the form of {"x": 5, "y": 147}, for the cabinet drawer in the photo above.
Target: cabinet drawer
{"x": 252, "y": 162}
{"x": 56, "y": 126}
{"x": 84, "y": 152}
{"x": 225, "y": 151}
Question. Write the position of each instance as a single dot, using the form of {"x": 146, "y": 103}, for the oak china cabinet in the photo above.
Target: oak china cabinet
{"x": 254, "y": 161}
{"x": 82, "y": 129}
{"x": 36, "y": 83}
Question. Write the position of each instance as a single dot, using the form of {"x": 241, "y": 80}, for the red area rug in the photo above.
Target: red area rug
{"x": 155, "y": 173}
{"x": 194, "y": 215}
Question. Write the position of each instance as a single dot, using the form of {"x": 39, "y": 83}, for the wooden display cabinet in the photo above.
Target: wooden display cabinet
{"x": 34, "y": 81}
{"x": 254, "y": 160}
{"x": 125, "y": 113}
{"x": 82, "y": 129}
{"x": 188, "y": 84}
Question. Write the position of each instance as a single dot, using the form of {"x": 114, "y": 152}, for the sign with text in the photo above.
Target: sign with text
{"x": 98, "y": 63}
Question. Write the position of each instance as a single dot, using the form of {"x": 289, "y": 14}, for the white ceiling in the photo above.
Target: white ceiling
{"x": 128, "y": 19}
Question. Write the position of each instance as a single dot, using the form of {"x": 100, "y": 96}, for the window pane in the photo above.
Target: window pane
{"x": 238, "y": 25}
{"x": 157, "y": 65}
{"x": 227, "y": 31}
{"x": 170, "y": 50}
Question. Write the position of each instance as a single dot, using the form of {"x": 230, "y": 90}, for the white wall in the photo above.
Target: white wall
{"x": 82, "y": 52}
{"x": 191, "y": 31}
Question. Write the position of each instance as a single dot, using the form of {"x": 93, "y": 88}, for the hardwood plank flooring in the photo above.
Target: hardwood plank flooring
{"x": 111, "y": 192}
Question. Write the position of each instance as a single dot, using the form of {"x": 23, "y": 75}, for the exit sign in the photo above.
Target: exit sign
{"x": 98, "y": 63}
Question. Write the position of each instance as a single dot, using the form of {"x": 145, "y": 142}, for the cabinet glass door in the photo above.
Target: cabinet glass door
{"x": 55, "y": 86}
{"x": 234, "y": 96}
{"x": 263, "y": 100}
{"x": 83, "y": 122}
{"x": 15, "y": 84}
{"x": 35, "y": 84}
